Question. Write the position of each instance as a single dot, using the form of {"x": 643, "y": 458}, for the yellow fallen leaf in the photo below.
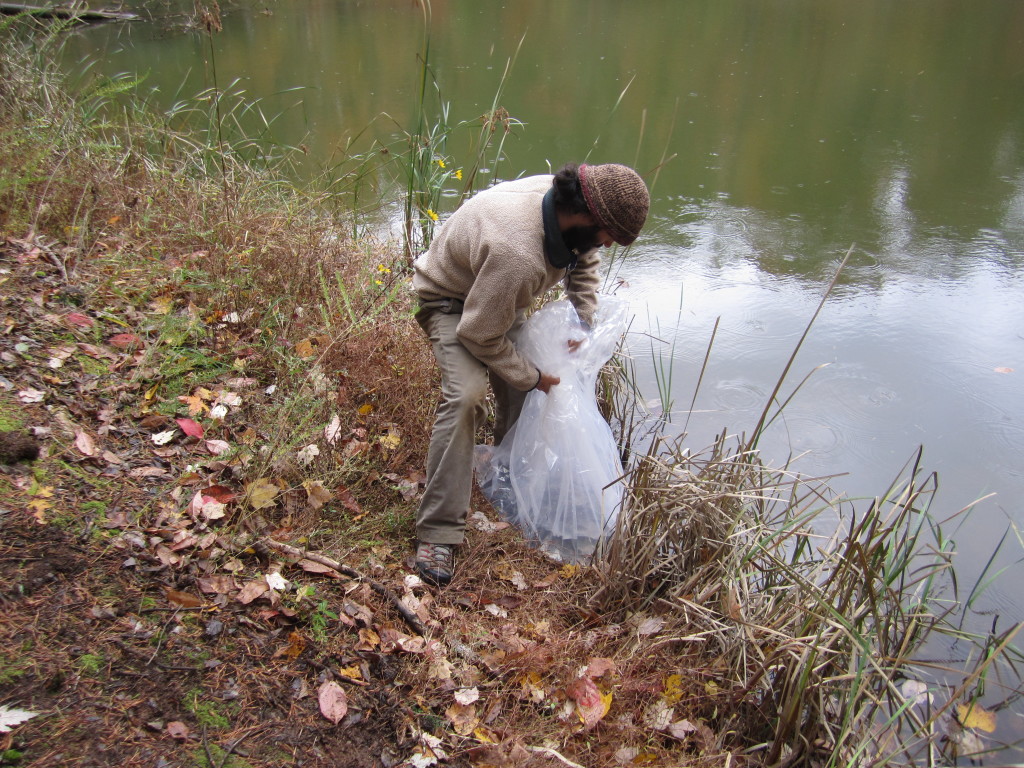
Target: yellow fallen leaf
{"x": 304, "y": 348}
{"x": 391, "y": 440}
{"x": 673, "y": 689}
{"x": 485, "y": 735}
{"x": 352, "y": 673}
{"x": 568, "y": 571}
{"x": 973, "y": 716}
{"x": 39, "y": 507}
{"x": 261, "y": 493}
{"x": 365, "y": 409}
{"x": 162, "y": 305}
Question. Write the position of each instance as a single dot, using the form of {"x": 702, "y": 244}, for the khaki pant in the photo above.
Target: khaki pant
{"x": 442, "y": 514}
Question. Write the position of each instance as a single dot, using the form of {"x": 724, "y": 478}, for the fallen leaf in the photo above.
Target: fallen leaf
{"x": 10, "y": 717}
{"x": 348, "y": 501}
{"x": 252, "y": 590}
{"x": 316, "y": 494}
{"x": 591, "y": 704}
{"x": 162, "y": 438}
{"x": 391, "y": 440}
{"x": 304, "y": 348}
{"x": 216, "y": 447}
{"x": 296, "y": 645}
{"x": 77, "y": 318}
{"x": 190, "y": 428}
{"x": 30, "y": 395}
{"x": 365, "y": 409}
{"x": 261, "y": 493}
{"x": 306, "y": 455}
{"x": 673, "y": 689}
{"x": 598, "y": 667}
{"x": 467, "y": 696}
{"x": 915, "y": 692}
{"x": 125, "y": 341}
{"x": 1003, "y": 370}
{"x": 463, "y": 717}
{"x": 276, "y": 581}
{"x": 333, "y": 701}
{"x": 177, "y": 730}
{"x": 333, "y": 430}
{"x": 219, "y": 493}
{"x": 681, "y": 729}
{"x": 649, "y": 626}
{"x": 311, "y": 566}
{"x": 84, "y": 443}
{"x": 39, "y": 507}
{"x": 974, "y": 716}
{"x": 184, "y": 599}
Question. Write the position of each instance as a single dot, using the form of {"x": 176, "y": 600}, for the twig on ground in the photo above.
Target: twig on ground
{"x": 554, "y": 754}
{"x": 407, "y": 615}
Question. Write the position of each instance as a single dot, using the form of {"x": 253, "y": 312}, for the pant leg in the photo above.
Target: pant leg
{"x": 508, "y": 404}
{"x": 442, "y": 514}
{"x": 508, "y": 401}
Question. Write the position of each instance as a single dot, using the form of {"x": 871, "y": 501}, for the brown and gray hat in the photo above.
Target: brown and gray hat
{"x": 617, "y": 198}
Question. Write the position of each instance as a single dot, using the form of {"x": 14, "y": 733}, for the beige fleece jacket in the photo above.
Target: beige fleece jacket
{"x": 490, "y": 254}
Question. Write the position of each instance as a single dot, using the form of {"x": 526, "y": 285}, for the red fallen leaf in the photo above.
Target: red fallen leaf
{"x": 219, "y": 493}
{"x": 348, "y": 501}
{"x": 77, "y": 318}
{"x": 124, "y": 340}
{"x": 590, "y": 704}
{"x": 190, "y": 428}
{"x": 333, "y": 701}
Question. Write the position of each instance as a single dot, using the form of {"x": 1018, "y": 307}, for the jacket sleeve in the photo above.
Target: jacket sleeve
{"x": 582, "y": 283}
{"x": 502, "y": 284}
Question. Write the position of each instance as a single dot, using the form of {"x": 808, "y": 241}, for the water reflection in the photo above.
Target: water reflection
{"x": 798, "y": 130}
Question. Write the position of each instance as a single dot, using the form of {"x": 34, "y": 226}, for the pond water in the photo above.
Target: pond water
{"x": 794, "y": 132}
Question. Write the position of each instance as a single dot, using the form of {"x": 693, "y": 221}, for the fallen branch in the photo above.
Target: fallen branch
{"x": 407, "y": 615}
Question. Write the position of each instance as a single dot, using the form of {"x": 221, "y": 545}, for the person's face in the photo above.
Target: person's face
{"x": 582, "y": 238}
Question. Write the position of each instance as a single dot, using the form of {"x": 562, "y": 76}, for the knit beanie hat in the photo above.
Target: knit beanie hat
{"x": 617, "y": 198}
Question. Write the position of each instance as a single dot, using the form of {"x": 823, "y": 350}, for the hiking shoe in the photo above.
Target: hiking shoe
{"x": 435, "y": 563}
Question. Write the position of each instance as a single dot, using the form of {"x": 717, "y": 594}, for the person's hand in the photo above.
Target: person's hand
{"x": 547, "y": 381}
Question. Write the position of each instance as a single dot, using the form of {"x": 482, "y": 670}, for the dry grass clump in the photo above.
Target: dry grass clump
{"x": 811, "y": 637}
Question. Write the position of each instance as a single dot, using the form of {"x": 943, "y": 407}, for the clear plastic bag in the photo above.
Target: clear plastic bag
{"x": 557, "y": 474}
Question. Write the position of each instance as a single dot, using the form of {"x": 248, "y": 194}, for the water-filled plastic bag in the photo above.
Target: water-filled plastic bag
{"x": 557, "y": 474}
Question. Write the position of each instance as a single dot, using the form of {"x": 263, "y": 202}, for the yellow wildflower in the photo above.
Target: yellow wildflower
{"x": 433, "y": 216}
{"x": 383, "y": 270}
{"x": 440, "y": 163}
{"x": 458, "y": 174}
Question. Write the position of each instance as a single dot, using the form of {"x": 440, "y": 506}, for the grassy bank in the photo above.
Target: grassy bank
{"x": 207, "y": 565}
